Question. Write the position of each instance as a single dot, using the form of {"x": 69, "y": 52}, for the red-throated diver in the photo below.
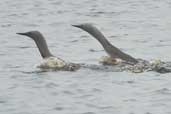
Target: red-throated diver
{"x": 112, "y": 51}
{"x": 49, "y": 60}
{"x": 52, "y": 62}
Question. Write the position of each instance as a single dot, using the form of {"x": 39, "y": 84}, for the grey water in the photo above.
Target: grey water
{"x": 141, "y": 28}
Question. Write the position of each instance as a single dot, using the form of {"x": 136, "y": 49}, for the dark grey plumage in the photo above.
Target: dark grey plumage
{"x": 49, "y": 60}
{"x": 40, "y": 42}
{"x": 113, "y": 51}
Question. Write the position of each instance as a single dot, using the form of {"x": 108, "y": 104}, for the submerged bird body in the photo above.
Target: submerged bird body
{"x": 107, "y": 60}
{"x": 49, "y": 60}
{"x": 111, "y": 50}
{"x": 121, "y": 60}
{"x": 52, "y": 62}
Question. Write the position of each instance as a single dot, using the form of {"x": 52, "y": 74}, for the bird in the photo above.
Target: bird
{"x": 49, "y": 60}
{"x": 115, "y": 54}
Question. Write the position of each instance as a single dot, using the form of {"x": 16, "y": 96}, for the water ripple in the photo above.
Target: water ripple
{"x": 139, "y": 27}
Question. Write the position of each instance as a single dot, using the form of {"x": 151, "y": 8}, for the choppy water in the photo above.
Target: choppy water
{"x": 141, "y": 28}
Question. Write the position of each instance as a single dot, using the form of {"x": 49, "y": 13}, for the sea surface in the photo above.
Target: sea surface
{"x": 141, "y": 28}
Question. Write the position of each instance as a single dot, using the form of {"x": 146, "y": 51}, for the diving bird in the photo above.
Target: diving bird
{"x": 111, "y": 50}
{"x": 49, "y": 60}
